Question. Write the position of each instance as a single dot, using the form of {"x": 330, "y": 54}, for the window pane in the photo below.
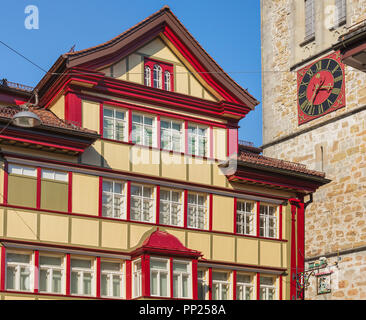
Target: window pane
{"x": 116, "y": 286}
{"x": 163, "y": 284}
{"x": 154, "y": 283}
{"x": 87, "y": 279}
{"x": 50, "y": 261}
{"x": 24, "y": 279}
{"x": 175, "y": 286}
{"x": 185, "y": 279}
{"x": 76, "y": 263}
{"x": 110, "y": 266}
{"x": 74, "y": 282}
{"x": 43, "y": 280}
{"x": 16, "y": 257}
{"x": 180, "y": 267}
{"x": 158, "y": 264}
{"x": 104, "y": 285}
{"x": 56, "y": 281}
{"x": 48, "y": 174}
{"x": 10, "y": 278}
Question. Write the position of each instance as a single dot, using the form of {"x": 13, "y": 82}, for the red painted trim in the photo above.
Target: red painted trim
{"x": 235, "y": 215}
{"x": 98, "y": 275}
{"x": 128, "y": 201}
{"x": 68, "y": 274}
{"x": 100, "y": 196}
{"x": 36, "y": 271}
{"x": 186, "y": 137}
{"x": 210, "y": 208}
{"x": 185, "y": 214}
{"x": 6, "y": 181}
{"x": 145, "y": 271}
{"x": 101, "y": 118}
{"x": 258, "y": 218}
{"x": 235, "y": 265}
{"x": 2, "y": 268}
{"x": 157, "y": 205}
{"x": 234, "y": 285}
{"x": 158, "y": 133}
{"x": 300, "y": 240}
{"x": 211, "y": 142}
{"x": 129, "y": 115}
{"x": 258, "y": 285}
{"x": 73, "y": 109}
{"x": 293, "y": 287}
{"x": 280, "y": 223}
{"x": 69, "y": 205}
{"x": 209, "y": 283}
{"x": 128, "y": 266}
{"x": 39, "y": 188}
{"x": 171, "y": 277}
{"x": 194, "y": 280}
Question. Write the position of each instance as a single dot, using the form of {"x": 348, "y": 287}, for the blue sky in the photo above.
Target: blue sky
{"x": 228, "y": 30}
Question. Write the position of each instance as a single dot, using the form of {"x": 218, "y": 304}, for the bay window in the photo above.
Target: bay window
{"x": 220, "y": 286}
{"x": 111, "y": 281}
{"x": 197, "y": 211}
{"x": 244, "y": 287}
{"x": 114, "y": 124}
{"x": 171, "y": 135}
{"x": 113, "y": 199}
{"x": 136, "y": 278}
{"x": 82, "y": 277}
{"x": 267, "y": 290}
{"x": 202, "y": 284}
{"x": 51, "y": 274}
{"x": 267, "y": 221}
{"x": 171, "y": 208}
{"x": 245, "y": 218}
{"x": 19, "y": 271}
{"x": 197, "y": 140}
{"x": 159, "y": 280}
{"x": 181, "y": 279}
{"x": 143, "y": 130}
{"x": 142, "y": 203}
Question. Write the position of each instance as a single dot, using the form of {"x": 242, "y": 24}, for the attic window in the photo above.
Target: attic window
{"x": 158, "y": 74}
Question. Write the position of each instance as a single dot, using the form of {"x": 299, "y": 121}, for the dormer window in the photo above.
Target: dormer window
{"x": 158, "y": 74}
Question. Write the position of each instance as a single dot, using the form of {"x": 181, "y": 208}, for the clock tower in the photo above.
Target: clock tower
{"x": 314, "y": 112}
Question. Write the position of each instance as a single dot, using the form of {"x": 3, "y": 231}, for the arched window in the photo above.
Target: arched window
{"x": 167, "y": 80}
{"x": 147, "y": 76}
{"x": 157, "y": 77}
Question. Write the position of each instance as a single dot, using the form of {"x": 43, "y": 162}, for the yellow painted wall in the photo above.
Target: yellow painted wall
{"x": 1, "y": 222}
{"x": 58, "y": 107}
{"x": 145, "y": 161}
{"x": 84, "y": 231}
{"x": 93, "y": 154}
{"x": 54, "y": 228}
{"x": 219, "y": 143}
{"x": 200, "y": 241}
{"x": 114, "y": 235}
{"x": 199, "y": 170}
{"x": 223, "y": 214}
{"x": 21, "y": 224}
{"x": 90, "y": 115}
{"x": 138, "y": 233}
{"x": 116, "y": 155}
{"x": 85, "y": 194}
{"x": 270, "y": 253}
{"x": 172, "y": 166}
{"x": 247, "y": 250}
{"x": 223, "y": 247}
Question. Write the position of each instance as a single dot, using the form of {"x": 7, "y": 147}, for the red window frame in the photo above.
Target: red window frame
{"x": 164, "y": 67}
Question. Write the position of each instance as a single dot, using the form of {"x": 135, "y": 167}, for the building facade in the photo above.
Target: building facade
{"x": 134, "y": 185}
{"x": 314, "y": 113}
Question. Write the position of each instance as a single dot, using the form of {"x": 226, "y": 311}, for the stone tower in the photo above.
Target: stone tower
{"x": 314, "y": 112}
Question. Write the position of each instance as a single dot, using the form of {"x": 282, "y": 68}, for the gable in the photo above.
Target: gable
{"x": 131, "y": 68}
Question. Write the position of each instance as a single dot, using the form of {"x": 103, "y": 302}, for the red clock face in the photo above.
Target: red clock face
{"x": 320, "y": 88}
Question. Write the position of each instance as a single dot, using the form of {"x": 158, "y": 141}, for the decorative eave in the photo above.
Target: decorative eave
{"x": 162, "y": 243}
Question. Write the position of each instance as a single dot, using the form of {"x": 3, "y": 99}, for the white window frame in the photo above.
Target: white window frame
{"x": 143, "y": 127}
{"x": 18, "y": 266}
{"x": 170, "y": 203}
{"x": 142, "y": 200}
{"x": 244, "y": 286}
{"x": 340, "y": 12}
{"x": 136, "y": 278}
{"x": 198, "y": 138}
{"x": 167, "y": 80}
{"x": 110, "y": 274}
{"x": 147, "y": 75}
{"x": 22, "y": 170}
{"x": 171, "y": 133}
{"x": 180, "y": 275}
{"x": 266, "y": 288}
{"x": 157, "y": 76}
{"x": 114, "y": 195}
{"x": 309, "y": 19}
{"x": 220, "y": 284}
{"x": 56, "y": 175}
{"x": 243, "y": 215}
{"x": 266, "y": 218}
{"x": 196, "y": 208}
{"x": 81, "y": 271}
{"x": 159, "y": 272}
{"x": 116, "y": 121}
{"x": 203, "y": 282}
{"x": 50, "y": 269}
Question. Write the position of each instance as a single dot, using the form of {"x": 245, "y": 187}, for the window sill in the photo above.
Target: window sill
{"x": 307, "y": 41}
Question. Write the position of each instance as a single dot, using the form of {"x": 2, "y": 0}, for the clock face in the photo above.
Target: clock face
{"x": 320, "y": 88}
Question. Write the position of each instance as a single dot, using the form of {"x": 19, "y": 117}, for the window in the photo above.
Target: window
{"x": 157, "y": 80}
{"x": 267, "y": 288}
{"x": 167, "y": 81}
{"x": 147, "y": 76}
{"x": 136, "y": 278}
{"x": 244, "y": 287}
{"x": 202, "y": 284}
{"x": 114, "y": 124}
{"x": 113, "y": 199}
{"x": 245, "y": 218}
{"x": 197, "y": 140}
{"x": 171, "y": 211}
{"x": 309, "y": 19}
{"x": 18, "y": 271}
{"x": 54, "y": 175}
{"x": 197, "y": 211}
{"x": 22, "y": 170}
{"x": 111, "y": 279}
{"x": 82, "y": 275}
{"x": 267, "y": 221}
{"x": 171, "y": 135}
{"x": 181, "y": 280}
{"x": 159, "y": 277}
{"x": 142, "y": 203}
{"x": 341, "y": 12}
{"x": 142, "y": 130}
{"x": 158, "y": 74}
{"x": 51, "y": 274}
{"x": 220, "y": 286}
